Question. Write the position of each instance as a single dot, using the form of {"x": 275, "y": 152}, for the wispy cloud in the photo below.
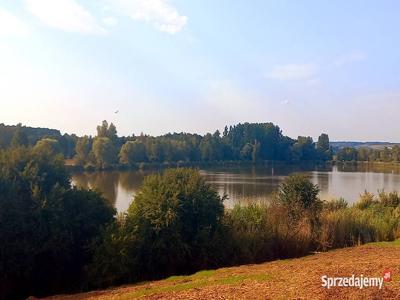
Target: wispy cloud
{"x": 10, "y": 25}
{"x": 110, "y": 21}
{"x": 67, "y": 15}
{"x": 160, "y": 13}
{"x": 349, "y": 58}
{"x": 285, "y": 102}
{"x": 294, "y": 72}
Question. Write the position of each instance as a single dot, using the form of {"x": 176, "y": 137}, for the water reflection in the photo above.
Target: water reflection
{"x": 253, "y": 184}
{"x": 118, "y": 187}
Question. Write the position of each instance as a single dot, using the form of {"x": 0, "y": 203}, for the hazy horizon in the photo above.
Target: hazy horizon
{"x": 184, "y": 66}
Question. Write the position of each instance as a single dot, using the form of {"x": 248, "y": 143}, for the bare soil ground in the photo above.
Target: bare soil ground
{"x": 284, "y": 279}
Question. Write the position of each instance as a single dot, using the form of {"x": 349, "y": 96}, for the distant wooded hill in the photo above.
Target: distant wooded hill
{"x": 15, "y": 135}
{"x": 370, "y": 145}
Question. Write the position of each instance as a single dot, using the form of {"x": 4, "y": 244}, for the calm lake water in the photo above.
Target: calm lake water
{"x": 253, "y": 183}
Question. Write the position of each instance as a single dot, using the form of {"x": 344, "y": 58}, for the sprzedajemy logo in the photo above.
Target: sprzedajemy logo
{"x": 360, "y": 282}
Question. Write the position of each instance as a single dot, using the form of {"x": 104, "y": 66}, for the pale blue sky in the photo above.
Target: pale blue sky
{"x": 195, "y": 66}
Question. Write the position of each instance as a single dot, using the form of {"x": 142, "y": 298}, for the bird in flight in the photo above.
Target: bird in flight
{"x": 117, "y": 111}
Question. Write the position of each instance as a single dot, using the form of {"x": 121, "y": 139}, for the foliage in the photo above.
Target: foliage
{"x": 46, "y": 227}
{"x": 104, "y": 152}
{"x": 133, "y": 152}
{"x": 251, "y": 229}
{"x": 366, "y": 200}
{"x": 168, "y": 229}
{"x": 174, "y": 216}
{"x": 298, "y": 190}
{"x": 252, "y": 142}
{"x": 386, "y": 154}
{"x": 47, "y": 147}
{"x": 107, "y": 131}
{"x": 83, "y": 150}
{"x": 17, "y": 136}
{"x": 176, "y": 225}
{"x": 354, "y": 226}
{"x": 335, "y": 204}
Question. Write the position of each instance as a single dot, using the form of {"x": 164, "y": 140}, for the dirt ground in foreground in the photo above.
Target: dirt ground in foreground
{"x": 285, "y": 279}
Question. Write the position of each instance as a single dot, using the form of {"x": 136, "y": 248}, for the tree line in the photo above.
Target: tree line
{"x": 243, "y": 142}
{"x": 251, "y": 142}
{"x": 386, "y": 154}
{"x": 18, "y": 135}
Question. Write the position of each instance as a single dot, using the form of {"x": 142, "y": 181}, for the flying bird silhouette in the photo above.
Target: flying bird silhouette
{"x": 117, "y": 111}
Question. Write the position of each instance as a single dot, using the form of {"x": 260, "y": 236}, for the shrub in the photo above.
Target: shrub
{"x": 46, "y": 227}
{"x": 170, "y": 228}
{"x": 389, "y": 199}
{"x": 335, "y": 204}
{"x": 297, "y": 190}
{"x": 366, "y": 200}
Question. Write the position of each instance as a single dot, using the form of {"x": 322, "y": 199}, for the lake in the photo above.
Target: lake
{"x": 246, "y": 184}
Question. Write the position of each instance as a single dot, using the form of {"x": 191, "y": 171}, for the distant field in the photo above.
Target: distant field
{"x": 286, "y": 279}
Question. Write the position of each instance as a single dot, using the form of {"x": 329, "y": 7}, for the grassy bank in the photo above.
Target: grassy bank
{"x": 291, "y": 278}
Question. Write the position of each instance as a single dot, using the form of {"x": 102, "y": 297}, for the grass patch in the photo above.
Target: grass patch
{"x": 196, "y": 276}
{"x": 198, "y": 280}
{"x": 235, "y": 279}
{"x": 395, "y": 243}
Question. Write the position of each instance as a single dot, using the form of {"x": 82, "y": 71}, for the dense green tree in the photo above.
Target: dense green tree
{"x": 246, "y": 152}
{"x": 46, "y": 227}
{"x": 297, "y": 189}
{"x": 19, "y": 138}
{"x": 211, "y": 147}
{"x": 323, "y": 143}
{"x": 133, "y": 152}
{"x": 174, "y": 215}
{"x": 83, "y": 149}
{"x": 347, "y": 154}
{"x": 255, "y": 151}
{"x": 396, "y": 154}
{"x": 68, "y": 145}
{"x": 108, "y": 131}
{"x": 272, "y": 144}
{"x": 48, "y": 146}
{"x": 385, "y": 155}
{"x": 363, "y": 154}
{"x": 104, "y": 152}
{"x": 304, "y": 149}
{"x": 323, "y": 147}
{"x": 168, "y": 229}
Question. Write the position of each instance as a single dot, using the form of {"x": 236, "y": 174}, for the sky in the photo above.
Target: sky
{"x": 198, "y": 65}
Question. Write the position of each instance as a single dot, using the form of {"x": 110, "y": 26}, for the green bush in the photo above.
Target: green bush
{"x": 170, "y": 228}
{"x": 46, "y": 227}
